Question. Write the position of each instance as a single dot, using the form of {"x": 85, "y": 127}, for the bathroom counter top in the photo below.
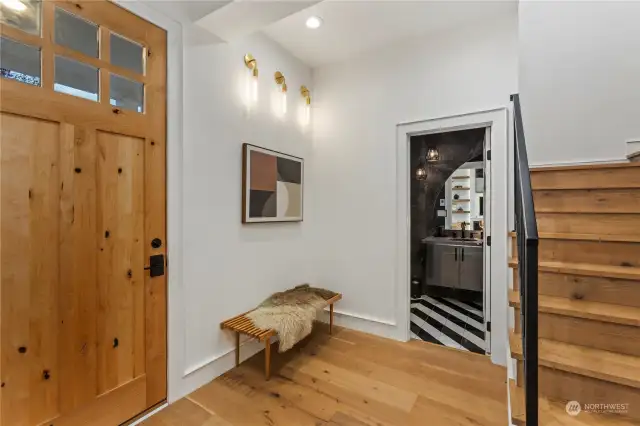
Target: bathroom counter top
{"x": 450, "y": 241}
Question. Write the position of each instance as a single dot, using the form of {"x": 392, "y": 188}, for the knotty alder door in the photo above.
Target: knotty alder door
{"x": 82, "y": 210}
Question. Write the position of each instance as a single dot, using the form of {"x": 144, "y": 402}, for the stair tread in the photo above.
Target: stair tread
{"x": 590, "y": 269}
{"x": 585, "y": 237}
{"x": 606, "y": 312}
{"x": 596, "y": 363}
{"x": 619, "y": 165}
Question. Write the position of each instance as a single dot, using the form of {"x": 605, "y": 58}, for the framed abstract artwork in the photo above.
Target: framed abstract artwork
{"x": 272, "y": 186}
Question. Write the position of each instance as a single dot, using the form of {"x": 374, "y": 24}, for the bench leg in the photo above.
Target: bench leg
{"x": 267, "y": 358}
{"x": 237, "y": 348}
{"x": 331, "y": 319}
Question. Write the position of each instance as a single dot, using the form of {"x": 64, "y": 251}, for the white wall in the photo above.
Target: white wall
{"x": 228, "y": 268}
{"x": 579, "y": 76}
{"x": 357, "y": 106}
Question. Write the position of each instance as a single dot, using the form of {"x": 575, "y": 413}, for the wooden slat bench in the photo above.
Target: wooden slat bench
{"x": 242, "y": 325}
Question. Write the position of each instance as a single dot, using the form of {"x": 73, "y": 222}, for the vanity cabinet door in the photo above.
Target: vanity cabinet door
{"x": 442, "y": 266}
{"x": 471, "y": 268}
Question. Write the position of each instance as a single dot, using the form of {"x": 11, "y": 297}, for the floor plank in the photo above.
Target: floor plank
{"x": 351, "y": 379}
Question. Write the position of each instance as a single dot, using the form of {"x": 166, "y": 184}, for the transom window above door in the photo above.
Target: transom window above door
{"x": 57, "y": 46}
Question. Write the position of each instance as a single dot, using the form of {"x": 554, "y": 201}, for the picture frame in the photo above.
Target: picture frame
{"x": 272, "y": 186}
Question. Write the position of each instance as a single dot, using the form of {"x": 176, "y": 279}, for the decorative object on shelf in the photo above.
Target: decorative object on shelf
{"x": 460, "y": 209}
{"x": 272, "y": 186}
{"x": 456, "y": 196}
{"x": 252, "y": 89}
{"x": 280, "y": 81}
{"x": 433, "y": 155}
{"x": 306, "y": 95}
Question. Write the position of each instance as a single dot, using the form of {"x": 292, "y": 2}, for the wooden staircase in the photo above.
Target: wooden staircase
{"x": 589, "y": 294}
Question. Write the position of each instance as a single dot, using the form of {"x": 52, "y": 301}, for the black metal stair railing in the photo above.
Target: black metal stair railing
{"x": 527, "y": 240}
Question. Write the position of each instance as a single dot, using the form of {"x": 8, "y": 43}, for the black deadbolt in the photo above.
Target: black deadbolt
{"x": 156, "y": 243}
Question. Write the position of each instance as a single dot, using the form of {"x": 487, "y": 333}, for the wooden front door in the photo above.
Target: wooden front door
{"x": 82, "y": 210}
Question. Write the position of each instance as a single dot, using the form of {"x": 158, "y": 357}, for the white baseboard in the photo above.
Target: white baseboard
{"x": 205, "y": 371}
{"x": 365, "y": 324}
{"x": 202, "y": 373}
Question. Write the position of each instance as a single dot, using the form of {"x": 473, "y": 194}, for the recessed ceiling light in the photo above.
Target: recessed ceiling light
{"x": 314, "y": 22}
{"x": 14, "y": 4}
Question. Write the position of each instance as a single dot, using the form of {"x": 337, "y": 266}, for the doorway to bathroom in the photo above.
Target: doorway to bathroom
{"x": 448, "y": 288}
{"x": 497, "y": 217}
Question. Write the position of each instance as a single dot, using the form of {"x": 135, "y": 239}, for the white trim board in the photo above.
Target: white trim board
{"x": 500, "y": 170}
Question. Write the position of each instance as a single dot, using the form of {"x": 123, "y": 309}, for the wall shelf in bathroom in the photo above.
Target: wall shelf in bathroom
{"x": 463, "y": 212}
{"x": 458, "y": 201}
{"x": 460, "y": 177}
{"x": 460, "y": 189}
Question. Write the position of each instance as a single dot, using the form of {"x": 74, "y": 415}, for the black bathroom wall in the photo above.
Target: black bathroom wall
{"x": 455, "y": 148}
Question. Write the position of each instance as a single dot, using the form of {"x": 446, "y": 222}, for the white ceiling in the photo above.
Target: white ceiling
{"x": 356, "y": 26}
{"x": 350, "y": 26}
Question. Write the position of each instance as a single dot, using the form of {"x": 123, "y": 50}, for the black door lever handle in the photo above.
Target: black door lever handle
{"x": 156, "y": 265}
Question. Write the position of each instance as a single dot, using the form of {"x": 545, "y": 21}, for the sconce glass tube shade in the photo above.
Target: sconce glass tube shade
{"x": 252, "y": 80}
{"x": 254, "y": 87}
{"x": 284, "y": 103}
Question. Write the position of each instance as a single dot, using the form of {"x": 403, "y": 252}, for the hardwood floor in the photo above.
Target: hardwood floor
{"x": 351, "y": 379}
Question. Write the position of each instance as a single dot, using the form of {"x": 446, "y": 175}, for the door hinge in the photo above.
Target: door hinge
{"x": 489, "y": 326}
{"x": 488, "y": 155}
{"x": 489, "y": 241}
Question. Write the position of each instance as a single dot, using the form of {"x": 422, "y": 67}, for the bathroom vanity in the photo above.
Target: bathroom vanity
{"x": 454, "y": 263}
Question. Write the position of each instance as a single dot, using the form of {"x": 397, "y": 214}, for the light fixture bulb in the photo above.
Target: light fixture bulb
{"x": 314, "y": 22}
{"x": 16, "y": 5}
{"x": 433, "y": 154}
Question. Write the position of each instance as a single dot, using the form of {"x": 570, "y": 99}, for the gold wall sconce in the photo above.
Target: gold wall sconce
{"x": 280, "y": 81}
{"x": 252, "y": 86}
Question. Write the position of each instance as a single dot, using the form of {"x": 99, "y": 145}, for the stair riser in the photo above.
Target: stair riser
{"x": 588, "y": 201}
{"x": 564, "y": 386}
{"x": 605, "y": 224}
{"x": 618, "y": 338}
{"x": 624, "y": 177}
{"x": 594, "y": 252}
{"x": 592, "y": 289}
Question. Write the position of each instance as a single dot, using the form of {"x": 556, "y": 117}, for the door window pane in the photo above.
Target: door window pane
{"x": 19, "y": 62}
{"x": 22, "y": 14}
{"x": 76, "y": 33}
{"x": 127, "y": 54}
{"x": 127, "y": 94}
{"x": 76, "y": 78}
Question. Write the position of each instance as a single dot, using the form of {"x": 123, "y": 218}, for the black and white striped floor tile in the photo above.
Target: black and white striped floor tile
{"x": 448, "y": 322}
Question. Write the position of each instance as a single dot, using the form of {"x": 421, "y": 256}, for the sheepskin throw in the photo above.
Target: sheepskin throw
{"x": 291, "y": 313}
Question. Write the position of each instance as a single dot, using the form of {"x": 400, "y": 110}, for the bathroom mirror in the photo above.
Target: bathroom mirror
{"x": 464, "y": 197}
